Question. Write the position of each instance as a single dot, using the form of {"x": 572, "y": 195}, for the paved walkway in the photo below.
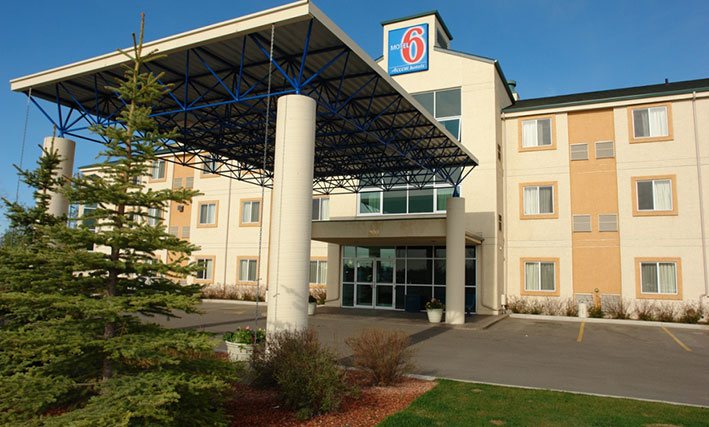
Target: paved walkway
{"x": 631, "y": 361}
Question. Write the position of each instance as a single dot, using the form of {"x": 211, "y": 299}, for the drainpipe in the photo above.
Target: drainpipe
{"x": 701, "y": 194}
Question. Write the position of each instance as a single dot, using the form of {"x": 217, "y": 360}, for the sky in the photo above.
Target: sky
{"x": 551, "y": 47}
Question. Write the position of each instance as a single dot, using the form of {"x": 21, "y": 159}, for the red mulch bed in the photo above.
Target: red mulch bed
{"x": 259, "y": 407}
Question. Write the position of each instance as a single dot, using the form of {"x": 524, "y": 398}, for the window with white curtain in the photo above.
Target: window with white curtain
{"x": 207, "y": 213}
{"x": 654, "y": 195}
{"x": 539, "y": 276}
{"x": 538, "y": 200}
{"x": 658, "y": 277}
{"x": 250, "y": 212}
{"x": 157, "y": 170}
{"x": 154, "y": 216}
{"x": 206, "y": 266}
{"x": 321, "y": 208}
{"x": 248, "y": 270}
{"x": 650, "y": 122}
{"x": 318, "y": 271}
{"x": 536, "y": 133}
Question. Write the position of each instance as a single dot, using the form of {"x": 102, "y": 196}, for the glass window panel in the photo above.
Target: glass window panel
{"x": 662, "y": 195}
{"x": 641, "y": 123}
{"x": 439, "y": 252}
{"x": 369, "y": 202}
{"x": 363, "y": 252}
{"x": 400, "y": 299}
{"x": 531, "y": 276}
{"x": 470, "y": 251}
{"x": 419, "y": 271}
{"x": 347, "y": 294}
{"x": 544, "y": 132}
{"x": 349, "y": 251}
{"x": 645, "y": 196}
{"x": 667, "y": 278}
{"x": 255, "y": 207}
{"x": 470, "y": 272}
{"x": 316, "y": 210}
{"x": 394, "y": 202}
{"x": 385, "y": 296}
{"x": 546, "y": 200}
{"x": 364, "y": 271}
{"x": 385, "y": 271}
{"x": 419, "y": 251}
{"x": 401, "y": 251}
{"x": 657, "y": 118}
{"x": 648, "y": 271}
{"x": 400, "y": 271}
{"x": 364, "y": 294}
{"x": 470, "y": 299}
{"x": 313, "y": 275}
{"x": 324, "y": 208}
{"x": 547, "y": 276}
{"x": 448, "y": 103}
{"x": 439, "y": 293}
{"x": 425, "y": 99}
{"x": 322, "y": 271}
{"x": 348, "y": 270}
{"x": 252, "y": 270}
{"x": 439, "y": 271}
{"x": 387, "y": 252}
{"x": 442, "y": 196}
{"x": 424, "y": 292}
{"x": 453, "y": 126}
{"x": 420, "y": 200}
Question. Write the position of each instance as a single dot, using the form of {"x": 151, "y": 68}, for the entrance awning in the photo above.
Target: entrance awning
{"x": 368, "y": 127}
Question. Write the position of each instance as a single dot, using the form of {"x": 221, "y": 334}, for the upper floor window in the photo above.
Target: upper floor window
{"x": 406, "y": 198}
{"x": 654, "y": 195}
{"x": 318, "y": 271}
{"x": 210, "y": 165}
{"x": 155, "y": 215}
{"x": 250, "y": 212}
{"x": 207, "y": 213}
{"x": 537, "y": 133}
{"x": 444, "y": 105}
{"x": 538, "y": 200}
{"x": 321, "y": 208}
{"x": 87, "y": 220}
{"x": 650, "y": 122}
{"x": 157, "y": 170}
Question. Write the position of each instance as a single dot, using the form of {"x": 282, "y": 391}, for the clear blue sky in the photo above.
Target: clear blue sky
{"x": 550, "y": 47}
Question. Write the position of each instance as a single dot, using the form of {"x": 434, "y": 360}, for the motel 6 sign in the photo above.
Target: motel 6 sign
{"x": 408, "y": 49}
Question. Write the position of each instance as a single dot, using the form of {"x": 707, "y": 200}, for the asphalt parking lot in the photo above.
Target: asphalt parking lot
{"x": 646, "y": 362}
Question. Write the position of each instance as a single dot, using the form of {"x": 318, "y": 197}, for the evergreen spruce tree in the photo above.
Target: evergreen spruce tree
{"x": 74, "y": 347}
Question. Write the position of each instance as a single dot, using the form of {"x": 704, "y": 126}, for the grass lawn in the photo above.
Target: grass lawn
{"x": 454, "y": 403}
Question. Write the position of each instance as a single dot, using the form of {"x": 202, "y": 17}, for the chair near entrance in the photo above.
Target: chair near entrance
{"x": 434, "y": 310}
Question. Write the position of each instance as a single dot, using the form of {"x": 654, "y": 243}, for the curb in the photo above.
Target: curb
{"x": 495, "y": 321}
{"x": 609, "y": 321}
{"x": 233, "y": 301}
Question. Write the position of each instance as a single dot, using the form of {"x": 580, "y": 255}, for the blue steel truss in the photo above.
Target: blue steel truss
{"x": 367, "y": 133}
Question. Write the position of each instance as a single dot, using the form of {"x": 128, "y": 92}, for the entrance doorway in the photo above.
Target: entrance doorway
{"x": 374, "y": 284}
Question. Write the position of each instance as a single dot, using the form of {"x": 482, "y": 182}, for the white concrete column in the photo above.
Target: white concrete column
{"x": 455, "y": 261}
{"x": 58, "y": 204}
{"x": 333, "y": 275}
{"x": 291, "y": 217}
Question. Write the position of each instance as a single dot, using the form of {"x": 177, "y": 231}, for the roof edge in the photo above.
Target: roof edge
{"x": 420, "y": 15}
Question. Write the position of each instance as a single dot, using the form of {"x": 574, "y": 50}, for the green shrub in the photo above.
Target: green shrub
{"x": 596, "y": 311}
{"x": 246, "y": 336}
{"x": 304, "y": 372}
{"x": 691, "y": 312}
{"x": 386, "y": 356}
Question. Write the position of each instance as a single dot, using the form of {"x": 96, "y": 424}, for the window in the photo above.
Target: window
{"x": 87, "y": 219}
{"x": 318, "y": 272}
{"x": 207, "y": 214}
{"x": 658, "y": 278}
{"x": 177, "y": 183}
{"x": 582, "y": 223}
{"x": 250, "y": 212}
{"x": 157, "y": 170}
{"x": 406, "y": 198}
{"x": 654, "y": 196}
{"x": 185, "y": 232}
{"x": 538, "y": 200}
{"x": 540, "y": 276}
{"x": 206, "y": 272}
{"x": 210, "y": 165}
{"x": 537, "y": 133}
{"x": 154, "y": 216}
{"x": 444, "y": 105}
{"x": 605, "y": 150}
{"x": 248, "y": 270}
{"x": 650, "y": 122}
{"x": 321, "y": 208}
{"x": 579, "y": 151}
{"x": 189, "y": 182}
{"x": 608, "y": 222}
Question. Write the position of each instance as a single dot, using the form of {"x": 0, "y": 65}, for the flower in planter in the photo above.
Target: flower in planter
{"x": 434, "y": 304}
{"x": 246, "y": 335}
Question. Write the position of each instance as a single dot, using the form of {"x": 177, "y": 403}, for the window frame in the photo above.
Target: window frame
{"x": 210, "y": 279}
{"x": 319, "y": 213}
{"x": 654, "y": 212}
{"x": 238, "y": 269}
{"x": 441, "y": 119}
{"x": 520, "y": 124}
{"x": 631, "y": 124}
{"x": 164, "y": 176}
{"x": 200, "y": 224}
{"x": 156, "y": 220}
{"x": 203, "y": 172}
{"x": 658, "y": 260}
{"x": 555, "y": 201}
{"x": 319, "y": 261}
{"x": 242, "y": 203}
{"x": 523, "y": 276}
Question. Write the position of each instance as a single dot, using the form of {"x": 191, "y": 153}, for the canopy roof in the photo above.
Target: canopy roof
{"x": 367, "y": 125}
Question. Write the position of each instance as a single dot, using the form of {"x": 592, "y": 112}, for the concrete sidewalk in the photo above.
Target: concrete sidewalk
{"x": 629, "y": 361}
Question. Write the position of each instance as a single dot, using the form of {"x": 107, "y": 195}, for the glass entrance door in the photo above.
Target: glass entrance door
{"x": 364, "y": 287}
{"x": 384, "y": 283}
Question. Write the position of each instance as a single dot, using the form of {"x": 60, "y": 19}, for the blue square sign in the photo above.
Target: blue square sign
{"x": 408, "y": 50}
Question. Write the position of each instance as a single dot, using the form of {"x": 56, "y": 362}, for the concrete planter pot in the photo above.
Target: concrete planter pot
{"x": 311, "y": 308}
{"x": 434, "y": 315}
{"x": 239, "y": 352}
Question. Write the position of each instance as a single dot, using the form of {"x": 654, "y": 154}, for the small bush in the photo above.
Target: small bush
{"x": 645, "y": 310}
{"x": 516, "y": 305}
{"x": 534, "y": 307}
{"x": 385, "y": 355}
{"x": 570, "y": 308}
{"x": 665, "y": 312}
{"x": 319, "y": 293}
{"x": 618, "y": 309}
{"x": 304, "y": 372}
{"x": 691, "y": 312}
{"x": 550, "y": 306}
{"x": 596, "y": 311}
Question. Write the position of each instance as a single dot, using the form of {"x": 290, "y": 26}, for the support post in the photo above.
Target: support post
{"x": 58, "y": 204}
{"x": 455, "y": 261}
{"x": 291, "y": 218}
